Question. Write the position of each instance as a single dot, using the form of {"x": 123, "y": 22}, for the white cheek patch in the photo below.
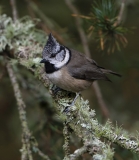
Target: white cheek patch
{"x": 60, "y": 56}
{"x": 65, "y": 60}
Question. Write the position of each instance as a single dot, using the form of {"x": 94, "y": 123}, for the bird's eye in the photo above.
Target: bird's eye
{"x": 52, "y": 55}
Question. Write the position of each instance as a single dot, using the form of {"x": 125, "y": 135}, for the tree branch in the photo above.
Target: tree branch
{"x": 80, "y": 117}
{"x": 26, "y": 148}
{"x": 66, "y": 134}
{"x": 77, "y": 153}
{"x": 14, "y": 10}
{"x": 120, "y": 16}
{"x": 46, "y": 24}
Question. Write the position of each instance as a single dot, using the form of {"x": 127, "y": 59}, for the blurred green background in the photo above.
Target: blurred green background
{"x": 121, "y": 96}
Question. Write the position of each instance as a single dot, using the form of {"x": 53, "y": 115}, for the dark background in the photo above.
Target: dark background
{"x": 121, "y": 96}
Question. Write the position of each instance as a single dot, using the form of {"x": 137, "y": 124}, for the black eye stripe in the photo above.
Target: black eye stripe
{"x": 61, "y": 48}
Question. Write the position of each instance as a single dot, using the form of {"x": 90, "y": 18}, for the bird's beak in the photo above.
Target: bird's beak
{"x": 43, "y": 61}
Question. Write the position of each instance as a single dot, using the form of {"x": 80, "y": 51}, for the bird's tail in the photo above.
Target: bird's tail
{"x": 110, "y": 72}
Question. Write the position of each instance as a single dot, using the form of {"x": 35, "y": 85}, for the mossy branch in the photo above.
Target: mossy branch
{"x": 66, "y": 134}
{"x": 80, "y": 118}
{"x": 26, "y": 136}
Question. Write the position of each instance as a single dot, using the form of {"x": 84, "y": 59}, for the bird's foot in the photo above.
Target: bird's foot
{"x": 55, "y": 90}
{"x": 74, "y": 100}
{"x": 68, "y": 108}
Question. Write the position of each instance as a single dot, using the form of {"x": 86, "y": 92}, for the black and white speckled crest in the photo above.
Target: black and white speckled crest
{"x": 55, "y": 56}
{"x": 51, "y": 47}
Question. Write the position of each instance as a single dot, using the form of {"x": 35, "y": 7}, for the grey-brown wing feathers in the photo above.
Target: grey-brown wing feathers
{"x": 81, "y": 67}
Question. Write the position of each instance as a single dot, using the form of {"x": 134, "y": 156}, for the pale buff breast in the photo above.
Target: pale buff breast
{"x": 62, "y": 79}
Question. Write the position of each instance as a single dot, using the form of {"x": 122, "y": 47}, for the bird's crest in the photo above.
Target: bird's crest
{"x": 51, "y": 47}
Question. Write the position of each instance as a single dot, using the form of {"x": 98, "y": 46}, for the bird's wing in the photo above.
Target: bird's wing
{"x": 81, "y": 67}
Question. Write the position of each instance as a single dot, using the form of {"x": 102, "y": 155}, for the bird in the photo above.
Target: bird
{"x": 69, "y": 69}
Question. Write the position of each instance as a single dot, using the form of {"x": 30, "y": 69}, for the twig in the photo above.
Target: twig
{"x": 45, "y": 20}
{"x": 94, "y": 148}
{"x": 41, "y": 154}
{"x": 101, "y": 102}
{"x": 77, "y": 153}
{"x": 67, "y": 139}
{"x": 26, "y": 135}
{"x": 83, "y": 37}
{"x": 14, "y": 10}
{"x": 26, "y": 148}
{"x": 80, "y": 29}
{"x": 120, "y": 16}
